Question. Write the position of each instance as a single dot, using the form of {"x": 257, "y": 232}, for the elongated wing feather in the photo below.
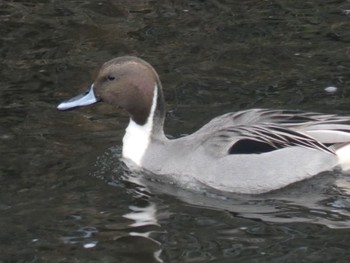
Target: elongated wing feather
{"x": 263, "y": 130}
{"x": 291, "y": 119}
{"x": 259, "y": 139}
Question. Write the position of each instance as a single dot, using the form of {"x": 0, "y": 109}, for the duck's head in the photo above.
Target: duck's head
{"x": 127, "y": 82}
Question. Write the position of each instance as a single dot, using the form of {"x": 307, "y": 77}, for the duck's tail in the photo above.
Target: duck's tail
{"x": 343, "y": 153}
{"x": 336, "y": 137}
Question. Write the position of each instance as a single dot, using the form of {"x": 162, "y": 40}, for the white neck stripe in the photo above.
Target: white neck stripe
{"x": 137, "y": 137}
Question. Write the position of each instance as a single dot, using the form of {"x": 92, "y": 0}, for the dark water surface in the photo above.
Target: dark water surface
{"x": 65, "y": 196}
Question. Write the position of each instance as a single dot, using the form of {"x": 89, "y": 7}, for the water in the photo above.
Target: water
{"x": 64, "y": 195}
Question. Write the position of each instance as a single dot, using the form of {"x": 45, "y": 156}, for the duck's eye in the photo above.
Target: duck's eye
{"x": 110, "y": 77}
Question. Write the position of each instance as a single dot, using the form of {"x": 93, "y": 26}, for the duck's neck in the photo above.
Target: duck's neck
{"x": 138, "y": 137}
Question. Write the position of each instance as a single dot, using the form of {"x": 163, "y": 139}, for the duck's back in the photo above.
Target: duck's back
{"x": 251, "y": 151}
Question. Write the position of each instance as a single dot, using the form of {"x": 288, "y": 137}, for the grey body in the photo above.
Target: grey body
{"x": 204, "y": 156}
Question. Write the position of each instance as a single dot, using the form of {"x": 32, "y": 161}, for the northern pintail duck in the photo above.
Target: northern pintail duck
{"x": 251, "y": 151}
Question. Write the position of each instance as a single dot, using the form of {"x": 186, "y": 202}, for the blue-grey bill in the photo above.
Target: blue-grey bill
{"x": 84, "y": 99}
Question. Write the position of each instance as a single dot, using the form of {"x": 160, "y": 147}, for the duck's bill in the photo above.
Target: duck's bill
{"x": 84, "y": 99}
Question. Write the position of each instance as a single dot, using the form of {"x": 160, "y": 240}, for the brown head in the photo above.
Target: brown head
{"x": 127, "y": 82}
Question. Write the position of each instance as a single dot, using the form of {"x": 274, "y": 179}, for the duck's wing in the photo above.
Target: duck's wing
{"x": 286, "y": 118}
{"x": 258, "y": 139}
{"x": 262, "y": 130}
{"x": 331, "y": 130}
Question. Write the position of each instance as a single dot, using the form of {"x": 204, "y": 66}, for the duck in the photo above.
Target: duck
{"x": 252, "y": 151}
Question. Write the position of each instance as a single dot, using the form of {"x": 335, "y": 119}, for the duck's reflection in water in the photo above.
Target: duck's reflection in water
{"x": 145, "y": 217}
{"x": 123, "y": 220}
{"x": 130, "y": 235}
